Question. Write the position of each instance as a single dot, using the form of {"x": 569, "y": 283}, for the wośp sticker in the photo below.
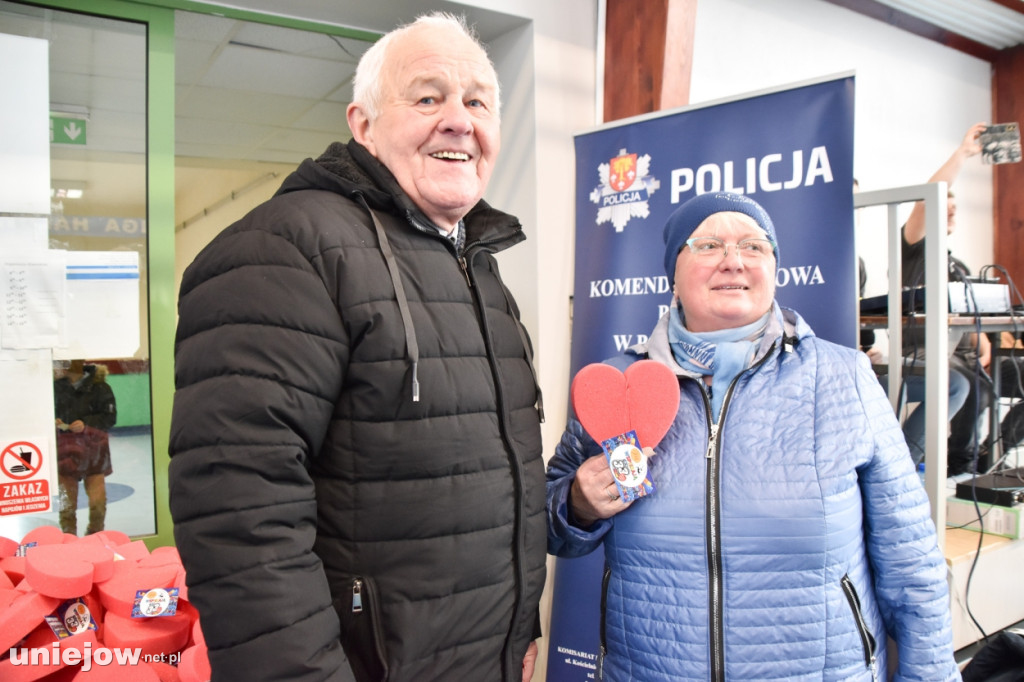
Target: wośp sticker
{"x": 628, "y": 463}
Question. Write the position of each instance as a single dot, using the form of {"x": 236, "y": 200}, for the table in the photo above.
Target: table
{"x": 995, "y": 597}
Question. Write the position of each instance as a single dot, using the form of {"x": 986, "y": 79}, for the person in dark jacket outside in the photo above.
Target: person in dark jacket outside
{"x": 356, "y": 475}
{"x": 85, "y": 411}
{"x": 788, "y": 536}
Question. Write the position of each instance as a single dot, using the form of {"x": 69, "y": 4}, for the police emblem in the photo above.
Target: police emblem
{"x": 625, "y": 187}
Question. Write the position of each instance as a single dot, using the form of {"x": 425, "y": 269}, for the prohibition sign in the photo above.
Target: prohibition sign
{"x": 21, "y": 460}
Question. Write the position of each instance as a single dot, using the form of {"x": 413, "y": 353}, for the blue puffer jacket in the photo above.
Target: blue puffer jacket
{"x": 786, "y": 547}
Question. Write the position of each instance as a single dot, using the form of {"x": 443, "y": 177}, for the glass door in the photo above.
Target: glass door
{"x": 91, "y": 351}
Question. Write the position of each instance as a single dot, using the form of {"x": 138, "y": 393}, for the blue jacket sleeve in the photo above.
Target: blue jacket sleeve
{"x": 908, "y": 567}
{"x": 565, "y": 539}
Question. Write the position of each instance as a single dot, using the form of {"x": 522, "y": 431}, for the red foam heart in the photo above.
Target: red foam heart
{"x": 598, "y": 395}
{"x": 645, "y": 399}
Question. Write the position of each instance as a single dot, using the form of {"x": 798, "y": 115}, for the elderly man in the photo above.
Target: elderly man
{"x": 356, "y": 476}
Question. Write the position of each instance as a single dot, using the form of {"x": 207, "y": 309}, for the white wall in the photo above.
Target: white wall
{"x": 548, "y": 74}
{"x": 915, "y": 100}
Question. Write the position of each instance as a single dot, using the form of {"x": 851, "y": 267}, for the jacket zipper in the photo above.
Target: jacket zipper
{"x": 712, "y": 524}
{"x": 509, "y": 665}
{"x": 465, "y": 270}
{"x": 364, "y": 603}
{"x": 866, "y": 638}
{"x": 357, "y": 596}
{"x": 713, "y": 539}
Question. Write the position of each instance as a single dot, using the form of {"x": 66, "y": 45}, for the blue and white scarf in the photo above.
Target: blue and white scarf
{"x": 721, "y": 354}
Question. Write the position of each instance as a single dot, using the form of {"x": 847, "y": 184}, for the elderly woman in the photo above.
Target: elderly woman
{"x": 788, "y": 535}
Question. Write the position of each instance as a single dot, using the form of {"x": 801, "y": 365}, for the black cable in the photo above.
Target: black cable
{"x": 973, "y": 306}
{"x": 960, "y": 273}
{"x": 1014, "y": 291}
{"x": 1012, "y": 357}
{"x": 342, "y": 46}
{"x": 974, "y": 561}
{"x": 974, "y": 496}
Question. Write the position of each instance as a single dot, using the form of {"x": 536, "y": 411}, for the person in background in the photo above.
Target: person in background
{"x": 788, "y": 535}
{"x": 913, "y": 388}
{"x": 972, "y": 355}
{"x": 85, "y": 410}
{"x": 356, "y": 476}
{"x": 914, "y": 393}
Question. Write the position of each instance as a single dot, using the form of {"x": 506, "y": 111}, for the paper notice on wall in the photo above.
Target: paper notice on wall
{"x": 82, "y": 304}
{"x": 32, "y": 297}
{"x": 102, "y": 311}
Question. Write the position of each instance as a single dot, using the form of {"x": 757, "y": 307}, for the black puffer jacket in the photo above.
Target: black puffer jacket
{"x": 90, "y": 399}
{"x": 309, "y": 488}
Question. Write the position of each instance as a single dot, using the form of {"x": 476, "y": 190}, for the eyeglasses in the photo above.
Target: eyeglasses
{"x": 715, "y": 249}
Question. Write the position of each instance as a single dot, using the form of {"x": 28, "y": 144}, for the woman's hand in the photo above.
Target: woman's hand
{"x": 593, "y": 494}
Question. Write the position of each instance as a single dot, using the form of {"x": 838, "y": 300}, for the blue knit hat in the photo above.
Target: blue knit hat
{"x": 688, "y": 217}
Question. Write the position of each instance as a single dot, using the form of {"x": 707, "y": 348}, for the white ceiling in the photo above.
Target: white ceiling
{"x": 257, "y": 92}
{"x": 245, "y": 92}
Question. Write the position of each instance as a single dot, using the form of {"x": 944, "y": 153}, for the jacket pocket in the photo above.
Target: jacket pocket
{"x": 866, "y": 638}
{"x": 359, "y": 614}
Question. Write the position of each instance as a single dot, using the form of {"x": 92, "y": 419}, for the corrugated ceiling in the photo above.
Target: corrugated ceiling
{"x": 997, "y": 24}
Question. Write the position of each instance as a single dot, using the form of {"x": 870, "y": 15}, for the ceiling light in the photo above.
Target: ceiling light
{"x": 69, "y": 111}
{"x": 67, "y": 189}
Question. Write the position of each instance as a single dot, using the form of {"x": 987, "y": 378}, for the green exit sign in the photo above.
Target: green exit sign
{"x": 64, "y": 130}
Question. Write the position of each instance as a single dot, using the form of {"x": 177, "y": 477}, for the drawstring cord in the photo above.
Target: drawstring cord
{"x": 412, "y": 347}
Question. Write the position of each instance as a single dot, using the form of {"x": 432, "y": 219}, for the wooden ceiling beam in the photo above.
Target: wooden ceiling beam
{"x": 648, "y": 56}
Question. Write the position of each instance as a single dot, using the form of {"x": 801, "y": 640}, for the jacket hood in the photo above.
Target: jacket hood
{"x": 350, "y": 170}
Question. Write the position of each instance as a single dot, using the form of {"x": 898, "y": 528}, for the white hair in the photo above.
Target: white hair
{"x": 367, "y": 88}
